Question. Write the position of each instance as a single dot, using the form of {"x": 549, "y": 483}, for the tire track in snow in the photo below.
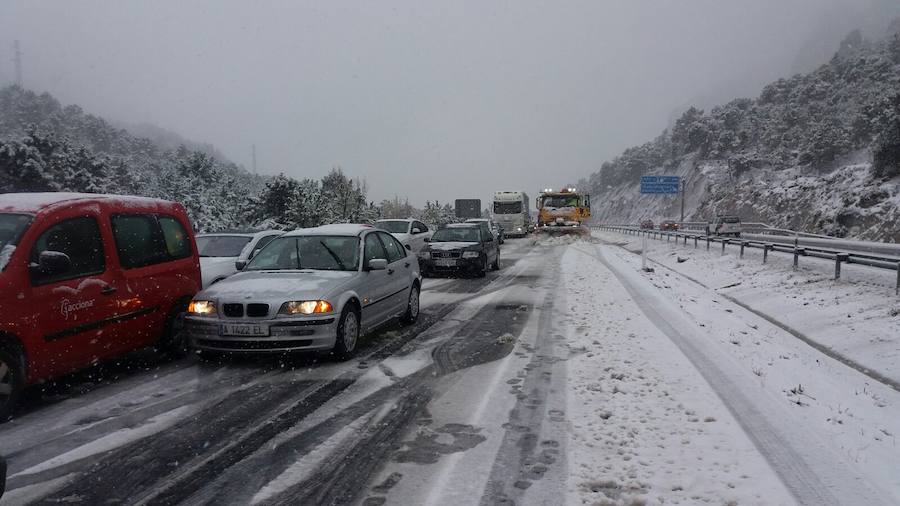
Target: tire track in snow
{"x": 522, "y": 457}
{"x": 122, "y": 474}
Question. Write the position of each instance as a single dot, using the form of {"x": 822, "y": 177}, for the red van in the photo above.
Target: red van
{"x": 84, "y": 278}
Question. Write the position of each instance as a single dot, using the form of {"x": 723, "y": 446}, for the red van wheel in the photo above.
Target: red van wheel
{"x": 172, "y": 342}
{"x": 11, "y": 383}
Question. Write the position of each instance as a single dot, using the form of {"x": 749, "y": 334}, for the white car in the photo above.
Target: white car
{"x": 412, "y": 233}
{"x": 221, "y": 251}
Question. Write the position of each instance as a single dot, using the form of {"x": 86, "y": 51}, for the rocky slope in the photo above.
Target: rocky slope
{"x": 818, "y": 152}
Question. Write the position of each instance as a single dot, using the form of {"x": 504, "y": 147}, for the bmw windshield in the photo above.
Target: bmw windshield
{"x": 315, "y": 252}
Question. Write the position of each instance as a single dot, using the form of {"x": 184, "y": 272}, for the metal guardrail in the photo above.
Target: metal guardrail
{"x": 839, "y": 257}
{"x": 748, "y": 227}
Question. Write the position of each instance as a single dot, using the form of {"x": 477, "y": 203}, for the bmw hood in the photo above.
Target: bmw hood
{"x": 277, "y": 285}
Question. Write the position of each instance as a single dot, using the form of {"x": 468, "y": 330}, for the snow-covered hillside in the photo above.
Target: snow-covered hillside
{"x": 47, "y": 146}
{"x": 818, "y": 152}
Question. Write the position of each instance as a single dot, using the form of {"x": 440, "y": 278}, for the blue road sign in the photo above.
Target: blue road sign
{"x": 660, "y": 184}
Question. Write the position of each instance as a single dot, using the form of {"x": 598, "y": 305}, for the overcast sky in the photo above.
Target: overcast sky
{"x": 431, "y": 100}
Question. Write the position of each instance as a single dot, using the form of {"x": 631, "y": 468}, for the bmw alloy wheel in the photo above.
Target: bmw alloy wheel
{"x": 351, "y": 331}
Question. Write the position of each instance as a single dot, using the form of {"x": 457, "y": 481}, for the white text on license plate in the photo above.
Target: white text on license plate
{"x": 238, "y": 329}
{"x": 445, "y": 262}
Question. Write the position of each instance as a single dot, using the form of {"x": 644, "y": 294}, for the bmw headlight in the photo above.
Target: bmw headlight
{"x": 305, "y": 307}
{"x": 202, "y": 307}
{"x": 470, "y": 254}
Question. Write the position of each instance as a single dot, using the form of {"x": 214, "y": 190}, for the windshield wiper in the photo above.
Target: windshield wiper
{"x": 334, "y": 256}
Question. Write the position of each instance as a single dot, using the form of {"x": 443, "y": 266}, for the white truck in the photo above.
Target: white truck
{"x": 511, "y": 211}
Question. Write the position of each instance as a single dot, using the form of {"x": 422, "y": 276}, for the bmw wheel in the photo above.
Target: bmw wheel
{"x": 412, "y": 307}
{"x": 347, "y": 333}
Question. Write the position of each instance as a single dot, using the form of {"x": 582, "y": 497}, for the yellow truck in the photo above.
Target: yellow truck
{"x": 563, "y": 211}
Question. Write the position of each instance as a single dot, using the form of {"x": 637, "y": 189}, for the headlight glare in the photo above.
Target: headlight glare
{"x": 202, "y": 307}
{"x": 306, "y": 307}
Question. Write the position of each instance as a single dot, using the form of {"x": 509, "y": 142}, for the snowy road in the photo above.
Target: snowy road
{"x": 568, "y": 377}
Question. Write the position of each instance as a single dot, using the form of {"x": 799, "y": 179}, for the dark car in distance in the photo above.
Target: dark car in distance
{"x": 670, "y": 225}
{"x": 460, "y": 247}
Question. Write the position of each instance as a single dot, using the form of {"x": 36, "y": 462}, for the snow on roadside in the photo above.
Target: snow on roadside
{"x": 849, "y": 420}
{"x": 645, "y": 425}
{"x": 857, "y": 317}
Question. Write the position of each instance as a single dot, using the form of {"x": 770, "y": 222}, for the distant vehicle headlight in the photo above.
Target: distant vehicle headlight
{"x": 425, "y": 254}
{"x": 202, "y": 307}
{"x": 518, "y": 229}
{"x": 305, "y": 307}
{"x": 470, "y": 254}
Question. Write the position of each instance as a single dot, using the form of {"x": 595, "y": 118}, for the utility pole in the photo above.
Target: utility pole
{"x": 253, "y": 151}
{"x": 17, "y": 62}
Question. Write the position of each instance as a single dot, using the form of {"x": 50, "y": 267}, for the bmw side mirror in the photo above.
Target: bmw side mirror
{"x": 428, "y": 239}
{"x": 240, "y": 264}
{"x": 408, "y": 247}
{"x": 377, "y": 264}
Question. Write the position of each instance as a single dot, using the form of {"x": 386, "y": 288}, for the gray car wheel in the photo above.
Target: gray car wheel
{"x": 412, "y": 307}
{"x": 347, "y": 333}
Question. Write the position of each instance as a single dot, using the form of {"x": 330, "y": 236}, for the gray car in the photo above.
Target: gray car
{"x": 311, "y": 289}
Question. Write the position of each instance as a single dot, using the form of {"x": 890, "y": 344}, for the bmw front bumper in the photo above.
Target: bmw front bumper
{"x": 285, "y": 334}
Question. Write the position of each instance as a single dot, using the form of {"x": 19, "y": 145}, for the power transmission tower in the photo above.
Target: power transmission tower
{"x": 17, "y": 62}
{"x": 253, "y": 151}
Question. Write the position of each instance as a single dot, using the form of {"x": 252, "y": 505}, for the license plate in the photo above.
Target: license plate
{"x": 445, "y": 262}
{"x": 246, "y": 330}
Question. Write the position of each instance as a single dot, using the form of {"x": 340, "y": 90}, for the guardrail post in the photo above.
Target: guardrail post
{"x": 766, "y": 248}
{"x": 724, "y": 242}
{"x": 797, "y": 253}
{"x": 743, "y": 245}
{"x": 707, "y": 243}
{"x": 685, "y": 239}
{"x": 840, "y": 257}
{"x": 897, "y": 290}
{"x": 695, "y": 242}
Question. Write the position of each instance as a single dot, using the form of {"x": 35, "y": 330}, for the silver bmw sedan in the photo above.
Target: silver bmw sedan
{"x": 311, "y": 289}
